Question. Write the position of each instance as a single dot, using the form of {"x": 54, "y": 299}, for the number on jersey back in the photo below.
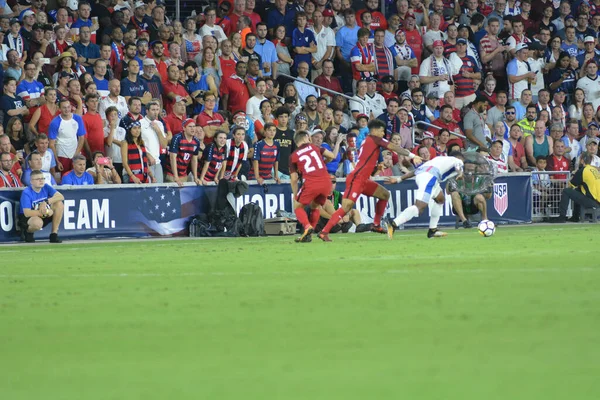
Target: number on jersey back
{"x": 308, "y": 162}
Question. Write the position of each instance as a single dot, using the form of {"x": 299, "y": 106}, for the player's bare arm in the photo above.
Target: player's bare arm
{"x": 400, "y": 179}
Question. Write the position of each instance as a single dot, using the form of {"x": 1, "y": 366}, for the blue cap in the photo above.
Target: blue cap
{"x": 461, "y": 41}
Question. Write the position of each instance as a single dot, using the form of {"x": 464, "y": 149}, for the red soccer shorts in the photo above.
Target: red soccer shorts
{"x": 314, "y": 190}
{"x": 357, "y": 186}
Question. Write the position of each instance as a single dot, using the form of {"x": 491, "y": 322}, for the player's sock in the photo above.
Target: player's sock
{"x": 406, "y": 215}
{"x": 335, "y": 218}
{"x": 379, "y": 210}
{"x": 436, "y": 213}
{"x": 314, "y": 217}
{"x": 302, "y": 217}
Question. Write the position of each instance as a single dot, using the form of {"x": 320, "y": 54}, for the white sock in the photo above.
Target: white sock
{"x": 406, "y": 215}
{"x": 436, "y": 213}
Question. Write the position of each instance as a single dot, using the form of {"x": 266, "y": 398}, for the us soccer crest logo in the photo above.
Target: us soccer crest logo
{"x": 500, "y": 198}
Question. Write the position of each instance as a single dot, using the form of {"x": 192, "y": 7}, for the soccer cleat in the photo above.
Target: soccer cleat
{"x": 324, "y": 237}
{"x": 378, "y": 229}
{"x": 435, "y": 233}
{"x": 467, "y": 224}
{"x": 391, "y": 227}
{"x": 360, "y": 228}
{"x": 306, "y": 236}
{"x": 54, "y": 238}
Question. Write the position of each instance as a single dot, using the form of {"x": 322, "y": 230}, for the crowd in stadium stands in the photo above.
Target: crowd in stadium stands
{"x": 107, "y": 91}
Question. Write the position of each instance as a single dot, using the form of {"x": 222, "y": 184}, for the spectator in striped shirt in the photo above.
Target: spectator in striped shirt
{"x": 214, "y": 160}
{"x": 237, "y": 154}
{"x": 266, "y": 157}
{"x": 183, "y": 155}
{"x": 467, "y": 74}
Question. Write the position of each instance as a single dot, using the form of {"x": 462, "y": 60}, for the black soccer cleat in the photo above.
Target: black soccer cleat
{"x": 435, "y": 233}
{"x": 54, "y": 238}
{"x": 391, "y": 227}
{"x": 467, "y": 224}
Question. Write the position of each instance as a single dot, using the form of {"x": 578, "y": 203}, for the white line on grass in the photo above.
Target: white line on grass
{"x": 413, "y": 270}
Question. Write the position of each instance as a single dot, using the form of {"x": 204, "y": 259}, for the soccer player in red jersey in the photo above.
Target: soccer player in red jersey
{"x": 307, "y": 161}
{"x": 358, "y": 181}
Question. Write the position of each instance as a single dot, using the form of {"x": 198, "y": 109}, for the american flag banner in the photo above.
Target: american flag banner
{"x": 166, "y": 210}
{"x": 501, "y": 198}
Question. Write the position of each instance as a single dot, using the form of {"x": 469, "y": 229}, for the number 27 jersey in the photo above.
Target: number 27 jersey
{"x": 307, "y": 161}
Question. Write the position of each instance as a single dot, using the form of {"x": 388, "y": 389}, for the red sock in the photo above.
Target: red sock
{"x": 379, "y": 210}
{"x": 314, "y": 217}
{"x": 302, "y": 216}
{"x": 335, "y": 218}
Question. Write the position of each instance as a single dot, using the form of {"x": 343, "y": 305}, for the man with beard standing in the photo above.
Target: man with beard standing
{"x": 474, "y": 124}
{"x": 266, "y": 49}
{"x": 404, "y": 56}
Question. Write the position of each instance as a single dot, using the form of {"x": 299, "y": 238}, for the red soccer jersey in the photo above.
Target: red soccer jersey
{"x": 176, "y": 88}
{"x": 556, "y": 164}
{"x": 307, "y": 160}
{"x": 237, "y": 91}
{"x": 368, "y": 156}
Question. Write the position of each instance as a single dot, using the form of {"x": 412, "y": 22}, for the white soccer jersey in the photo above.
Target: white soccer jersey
{"x": 443, "y": 168}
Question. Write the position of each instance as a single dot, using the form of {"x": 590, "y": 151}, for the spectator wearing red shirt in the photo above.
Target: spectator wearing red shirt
{"x": 157, "y": 53}
{"x": 557, "y": 161}
{"x": 235, "y": 89}
{"x": 328, "y": 81}
{"x": 7, "y": 177}
{"x": 226, "y": 59}
{"x": 427, "y": 142}
{"x": 446, "y": 121}
{"x": 450, "y": 99}
{"x": 94, "y": 126}
{"x": 173, "y": 90}
{"x": 210, "y": 121}
{"x": 387, "y": 88}
{"x": 239, "y": 6}
{"x": 249, "y": 11}
{"x": 175, "y": 120}
{"x": 414, "y": 39}
{"x": 377, "y": 18}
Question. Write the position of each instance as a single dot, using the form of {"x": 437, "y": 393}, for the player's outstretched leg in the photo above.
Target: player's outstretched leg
{"x": 405, "y": 216}
{"x": 347, "y": 205}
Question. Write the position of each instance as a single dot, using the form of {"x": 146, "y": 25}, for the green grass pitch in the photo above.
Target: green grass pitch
{"x": 515, "y": 316}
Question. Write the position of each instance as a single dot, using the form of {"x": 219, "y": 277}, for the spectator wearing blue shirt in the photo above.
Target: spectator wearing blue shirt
{"x": 40, "y": 204}
{"x": 281, "y": 14}
{"x": 266, "y": 49}
{"x": 345, "y": 40}
{"x": 34, "y": 161}
{"x": 87, "y": 52}
{"x": 78, "y": 176}
{"x": 303, "y": 41}
{"x": 29, "y": 89}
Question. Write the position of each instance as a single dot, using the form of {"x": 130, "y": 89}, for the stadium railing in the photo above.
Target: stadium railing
{"x": 546, "y": 191}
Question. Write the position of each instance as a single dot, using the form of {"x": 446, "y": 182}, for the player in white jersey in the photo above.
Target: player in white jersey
{"x": 429, "y": 193}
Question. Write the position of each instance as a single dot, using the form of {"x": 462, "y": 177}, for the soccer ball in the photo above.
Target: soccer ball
{"x": 486, "y": 228}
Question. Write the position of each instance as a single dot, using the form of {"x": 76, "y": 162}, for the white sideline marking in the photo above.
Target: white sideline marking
{"x": 305, "y": 272}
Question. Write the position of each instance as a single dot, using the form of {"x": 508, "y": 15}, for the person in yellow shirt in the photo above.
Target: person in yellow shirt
{"x": 585, "y": 190}
{"x": 527, "y": 124}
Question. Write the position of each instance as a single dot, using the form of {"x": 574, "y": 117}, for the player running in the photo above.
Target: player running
{"x": 307, "y": 160}
{"x": 429, "y": 192}
{"x": 358, "y": 181}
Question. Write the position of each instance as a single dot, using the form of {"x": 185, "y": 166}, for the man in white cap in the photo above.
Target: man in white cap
{"x": 139, "y": 21}
{"x": 520, "y": 75}
{"x": 436, "y": 71}
{"x": 589, "y": 52}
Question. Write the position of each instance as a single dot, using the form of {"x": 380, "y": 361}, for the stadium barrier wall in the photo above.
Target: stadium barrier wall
{"x": 111, "y": 211}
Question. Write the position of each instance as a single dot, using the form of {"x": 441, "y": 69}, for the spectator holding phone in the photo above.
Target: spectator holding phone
{"x": 103, "y": 171}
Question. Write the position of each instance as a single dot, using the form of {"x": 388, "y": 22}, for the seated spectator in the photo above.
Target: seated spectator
{"x": 103, "y": 171}
{"x": 7, "y": 177}
{"x": 11, "y": 104}
{"x": 527, "y": 124}
{"x": 15, "y": 132}
{"x": 586, "y": 191}
{"x": 390, "y": 117}
{"x": 441, "y": 144}
{"x": 497, "y": 158}
{"x": 78, "y": 176}
{"x": 327, "y": 80}
{"x": 303, "y": 89}
{"x": 427, "y": 143}
{"x": 40, "y": 204}
{"x": 557, "y": 161}
{"x": 334, "y": 142}
{"x": 514, "y": 150}
{"x": 34, "y": 163}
